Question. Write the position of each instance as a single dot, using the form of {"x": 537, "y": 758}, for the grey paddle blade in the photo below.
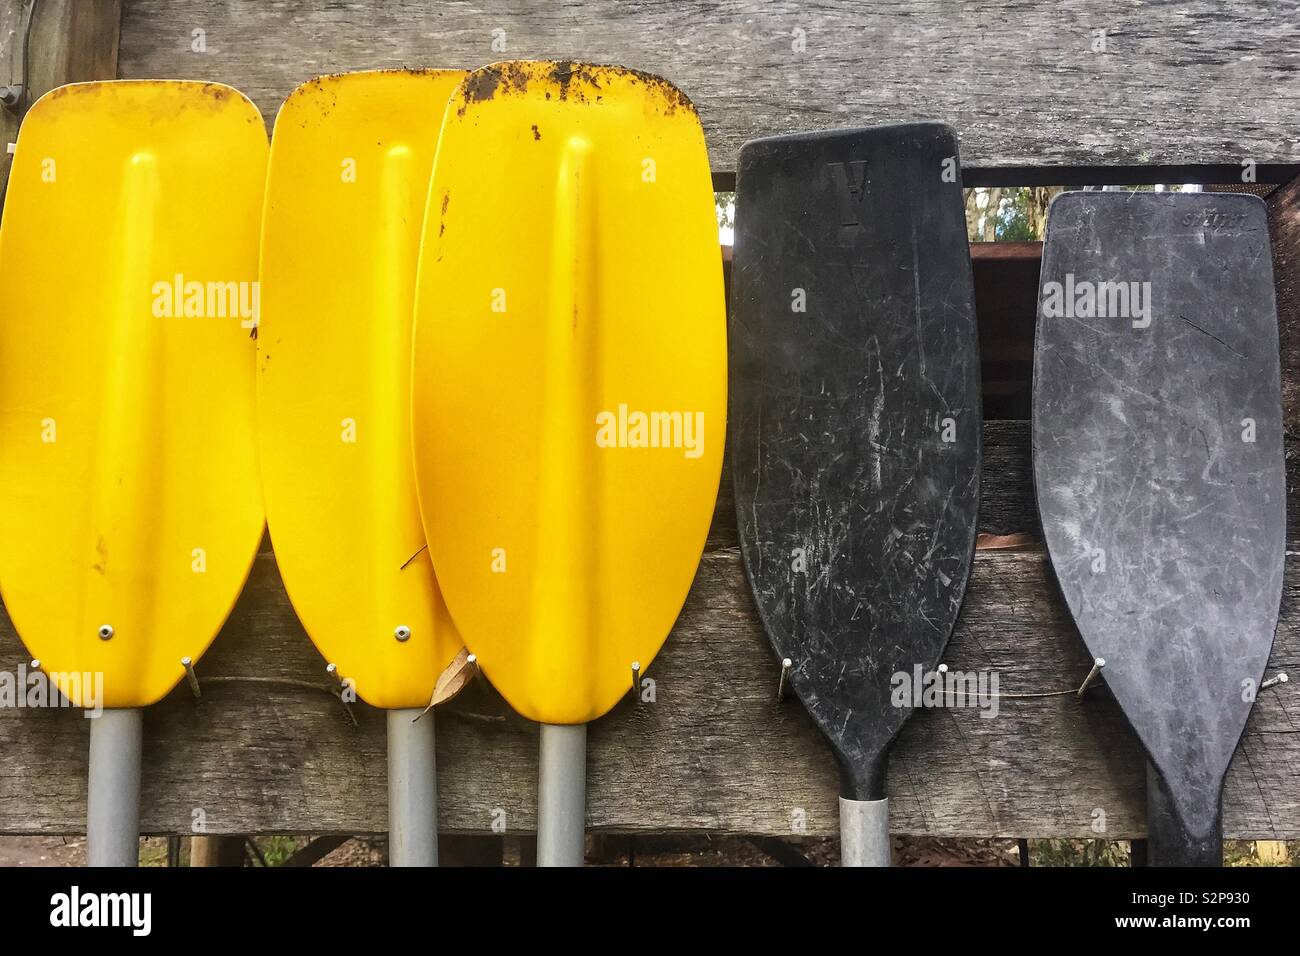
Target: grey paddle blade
{"x": 855, "y": 418}
{"x": 1159, "y": 471}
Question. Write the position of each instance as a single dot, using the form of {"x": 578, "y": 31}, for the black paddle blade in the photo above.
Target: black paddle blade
{"x": 855, "y": 418}
{"x": 1159, "y": 471}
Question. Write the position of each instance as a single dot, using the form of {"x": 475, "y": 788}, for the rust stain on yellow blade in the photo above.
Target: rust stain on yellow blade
{"x": 569, "y": 387}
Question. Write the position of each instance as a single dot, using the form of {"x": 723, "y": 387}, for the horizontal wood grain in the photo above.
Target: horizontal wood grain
{"x": 715, "y": 752}
{"x": 263, "y": 751}
{"x": 1025, "y": 84}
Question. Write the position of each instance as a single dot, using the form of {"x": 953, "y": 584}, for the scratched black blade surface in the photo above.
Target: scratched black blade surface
{"x": 1165, "y": 522}
{"x": 855, "y": 424}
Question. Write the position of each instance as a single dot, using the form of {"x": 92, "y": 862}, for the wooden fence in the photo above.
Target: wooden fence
{"x": 1194, "y": 88}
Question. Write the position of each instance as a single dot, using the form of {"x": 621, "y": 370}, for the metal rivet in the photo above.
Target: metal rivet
{"x": 402, "y": 633}
{"x": 105, "y": 631}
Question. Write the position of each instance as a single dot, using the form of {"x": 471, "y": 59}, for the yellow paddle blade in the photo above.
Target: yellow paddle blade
{"x": 350, "y": 164}
{"x": 130, "y": 511}
{"x": 569, "y": 393}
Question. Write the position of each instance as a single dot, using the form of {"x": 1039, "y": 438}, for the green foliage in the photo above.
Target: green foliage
{"x": 1013, "y": 218}
{"x": 725, "y": 208}
{"x": 277, "y": 849}
{"x": 1078, "y": 853}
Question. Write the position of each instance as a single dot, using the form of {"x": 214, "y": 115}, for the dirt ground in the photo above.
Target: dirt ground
{"x": 602, "y": 851}
{"x": 42, "y": 851}
{"x": 46, "y": 851}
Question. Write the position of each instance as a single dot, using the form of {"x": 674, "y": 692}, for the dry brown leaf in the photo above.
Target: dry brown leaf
{"x": 451, "y": 681}
{"x": 454, "y": 679}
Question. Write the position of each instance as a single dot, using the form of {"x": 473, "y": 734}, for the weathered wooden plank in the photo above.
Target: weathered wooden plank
{"x": 714, "y": 752}
{"x": 11, "y": 40}
{"x": 71, "y": 41}
{"x": 1024, "y": 83}
{"x": 11, "y": 74}
{"x": 1284, "y": 232}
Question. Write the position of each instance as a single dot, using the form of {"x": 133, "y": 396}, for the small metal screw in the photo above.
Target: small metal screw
{"x": 105, "y": 631}
{"x": 402, "y": 633}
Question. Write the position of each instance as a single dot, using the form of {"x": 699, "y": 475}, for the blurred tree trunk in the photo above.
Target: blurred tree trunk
{"x": 991, "y": 210}
{"x": 1040, "y": 197}
{"x": 982, "y": 213}
{"x": 972, "y": 215}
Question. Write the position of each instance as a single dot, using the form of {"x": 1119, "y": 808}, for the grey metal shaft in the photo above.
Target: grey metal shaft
{"x": 412, "y": 790}
{"x": 864, "y": 832}
{"x": 562, "y": 795}
{"x": 113, "y": 791}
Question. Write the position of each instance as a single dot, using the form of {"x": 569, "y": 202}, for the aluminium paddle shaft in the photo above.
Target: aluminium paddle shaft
{"x": 129, "y": 524}
{"x": 855, "y": 427}
{"x": 864, "y": 832}
{"x": 412, "y": 789}
{"x": 565, "y": 543}
{"x": 334, "y": 405}
{"x": 113, "y": 788}
{"x": 562, "y": 795}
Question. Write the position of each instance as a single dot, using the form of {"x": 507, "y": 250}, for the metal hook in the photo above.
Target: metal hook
{"x": 1279, "y": 678}
{"x": 333, "y": 671}
{"x": 784, "y": 679}
{"x": 1091, "y": 679}
{"x": 188, "y": 664}
{"x": 472, "y": 661}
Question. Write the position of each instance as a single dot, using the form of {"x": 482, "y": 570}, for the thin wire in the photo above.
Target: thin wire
{"x": 27, "y": 38}
{"x": 284, "y": 682}
{"x": 955, "y": 692}
{"x": 1052, "y": 693}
